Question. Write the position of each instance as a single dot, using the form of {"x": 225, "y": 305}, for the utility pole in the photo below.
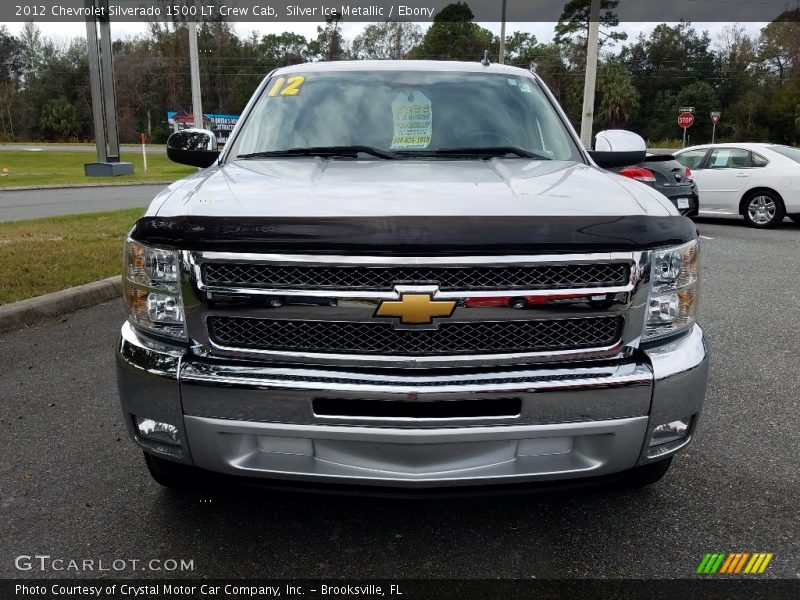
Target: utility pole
{"x": 104, "y": 98}
{"x": 502, "y": 58}
{"x": 591, "y": 74}
{"x": 197, "y": 102}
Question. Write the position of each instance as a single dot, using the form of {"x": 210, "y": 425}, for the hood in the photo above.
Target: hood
{"x": 315, "y": 187}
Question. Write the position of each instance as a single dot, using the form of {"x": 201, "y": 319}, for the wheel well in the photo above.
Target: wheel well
{"x": 750, "y": 192}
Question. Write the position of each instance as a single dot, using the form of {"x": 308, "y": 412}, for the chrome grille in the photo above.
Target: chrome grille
{"x": 451, "y": 338}
{"x": 376, "y": 278}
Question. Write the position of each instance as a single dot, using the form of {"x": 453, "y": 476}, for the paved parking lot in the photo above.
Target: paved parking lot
{"x": 31, "y": 204}
{"x": 73, "y": 486}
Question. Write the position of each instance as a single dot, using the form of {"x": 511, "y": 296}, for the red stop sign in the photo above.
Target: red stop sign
{"x": 685, "y": 120}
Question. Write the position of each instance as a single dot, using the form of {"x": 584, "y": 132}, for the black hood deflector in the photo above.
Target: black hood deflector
{"x": 416, "y": 235}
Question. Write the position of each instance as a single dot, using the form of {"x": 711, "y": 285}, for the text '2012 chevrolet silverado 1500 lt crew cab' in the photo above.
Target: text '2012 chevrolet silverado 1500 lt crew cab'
{"x": 409, "y": 274}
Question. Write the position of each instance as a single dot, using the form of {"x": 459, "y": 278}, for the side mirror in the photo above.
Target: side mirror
{"x": 618, "y": 148}
{"x": 195, "y": 147}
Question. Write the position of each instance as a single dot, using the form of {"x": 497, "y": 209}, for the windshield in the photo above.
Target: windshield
{"x": 788, "y": 152}
{"x": 399, "y": 114}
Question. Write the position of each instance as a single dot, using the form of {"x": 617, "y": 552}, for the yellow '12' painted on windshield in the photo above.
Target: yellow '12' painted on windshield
{"x": 291, "y": 87}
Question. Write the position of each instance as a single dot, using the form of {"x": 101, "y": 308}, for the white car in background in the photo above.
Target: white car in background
{"x": 761, "y": 182}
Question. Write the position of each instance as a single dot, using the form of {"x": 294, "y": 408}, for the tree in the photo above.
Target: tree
{"x": 782, "y": 112}
{"x": 704, "y": 99}
{"x": 59, "y": 120}
{"x": 330, "y": 44}
{"x": 219, "y": 49}
{"x": 661, "y": 65}
{"x": 619, "y": 99}
{"x": 10, "y": 71}
{"x": 572, "y": 29}
{"x": 10, "y": 56}
{"x": 391, "y": 40}
{"x": 753, "y": 80}
{"x": 738, "y": 70}
{"x": 797, "y": 119}
{"x": 520, "y": 49}
{"x": 35, "y": 50}
{"x": 744, "y": 118}
{"x": 454, "y": 36}
{"x": 780, "y": 44}
{"x": 670, "y": 56}
{"x": 549, "y": 64}
{"x": 282, "y": 50}
{"x": 170, "y": 43}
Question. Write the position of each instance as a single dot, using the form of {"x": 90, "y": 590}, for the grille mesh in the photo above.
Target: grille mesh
{"x": 483, "y": 337}
{"x": 447, "y": 278}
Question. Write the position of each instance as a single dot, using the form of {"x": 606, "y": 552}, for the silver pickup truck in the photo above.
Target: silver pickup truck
{"x": 409, "y": 274}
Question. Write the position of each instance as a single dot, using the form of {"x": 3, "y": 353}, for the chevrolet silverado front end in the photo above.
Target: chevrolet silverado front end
{"x": 344, "y": 312}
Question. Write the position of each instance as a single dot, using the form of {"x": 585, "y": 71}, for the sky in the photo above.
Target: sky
{"x": 543, "y": 31}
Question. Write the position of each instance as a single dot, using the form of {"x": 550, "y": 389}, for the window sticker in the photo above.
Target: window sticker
{"x": 413, "y": 121}
{"x": 287, "y": 87}
{"x": 721, "y": 158}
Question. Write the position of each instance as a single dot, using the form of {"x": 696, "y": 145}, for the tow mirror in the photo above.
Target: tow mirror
{"x": 195, "y": 147}
{"x": 618, "y": 148}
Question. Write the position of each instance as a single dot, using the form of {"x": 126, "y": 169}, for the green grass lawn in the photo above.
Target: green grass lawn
{"x": 46, "y": 255}
{"x": 51, "y": 168}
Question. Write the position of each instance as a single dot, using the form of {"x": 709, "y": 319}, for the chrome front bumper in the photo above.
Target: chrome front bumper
{"x": 259, "y": 421}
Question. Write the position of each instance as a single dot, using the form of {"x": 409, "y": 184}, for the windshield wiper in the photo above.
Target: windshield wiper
{"x": 324, "y": 151}
{"x": 488, "y": 152}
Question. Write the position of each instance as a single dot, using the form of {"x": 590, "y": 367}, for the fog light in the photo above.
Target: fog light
{"x": 670, "y": 432}
{"x": 157, "y": 431}
{"x": 164, "y": 308}
{"x": 664, "y": 308}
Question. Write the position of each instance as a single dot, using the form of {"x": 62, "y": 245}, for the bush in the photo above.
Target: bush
{"x": 58, "y": 120}
{"x": 671, "y": 143}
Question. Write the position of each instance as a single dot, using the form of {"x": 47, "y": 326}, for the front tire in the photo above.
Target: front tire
{"x": 648, "y": 474}
{"x": 518, "y": 303}
{"x": 171, "y": 474}
{"x": 763, "y": 210}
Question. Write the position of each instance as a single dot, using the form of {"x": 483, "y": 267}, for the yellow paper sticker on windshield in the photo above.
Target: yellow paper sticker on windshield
{"x": 287, "y": 87}
{"x": 413, "y": 121}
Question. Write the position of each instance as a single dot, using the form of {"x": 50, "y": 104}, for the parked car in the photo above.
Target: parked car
{"x": 397, "y": 190}
{"x": 665, "y": 174}
{"x": 761, "y": 182}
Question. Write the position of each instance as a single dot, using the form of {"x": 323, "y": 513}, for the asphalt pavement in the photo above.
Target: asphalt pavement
{"x": 72, "y": 485}
{"x": 156, "y": 148}
{"x": 31, "y": 204}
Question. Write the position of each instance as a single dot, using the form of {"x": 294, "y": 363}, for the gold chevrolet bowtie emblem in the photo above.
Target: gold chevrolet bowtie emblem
{"x": 416, "y": 309}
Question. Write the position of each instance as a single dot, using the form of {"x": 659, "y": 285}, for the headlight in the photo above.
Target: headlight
{"x": 152, "y": 290}
{"x": 672, "y": 306}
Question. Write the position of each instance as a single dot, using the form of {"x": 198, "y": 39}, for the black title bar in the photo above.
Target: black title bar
{"x": 701, "y": 588}
{"x": 378, "y": 10}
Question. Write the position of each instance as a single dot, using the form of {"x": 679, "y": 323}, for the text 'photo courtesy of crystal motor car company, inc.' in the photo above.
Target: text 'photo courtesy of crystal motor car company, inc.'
{"x": 410, "y": 274}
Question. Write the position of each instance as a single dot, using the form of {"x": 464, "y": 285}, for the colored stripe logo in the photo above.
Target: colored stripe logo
{"x": 734, "y": 563}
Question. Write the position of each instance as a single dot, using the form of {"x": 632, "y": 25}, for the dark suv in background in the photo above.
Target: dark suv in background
{"x": 668, "y": 176}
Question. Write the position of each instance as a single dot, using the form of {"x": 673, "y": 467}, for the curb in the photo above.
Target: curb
{"x": 27, "y": 312}
{"x": 22, "y": 188}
